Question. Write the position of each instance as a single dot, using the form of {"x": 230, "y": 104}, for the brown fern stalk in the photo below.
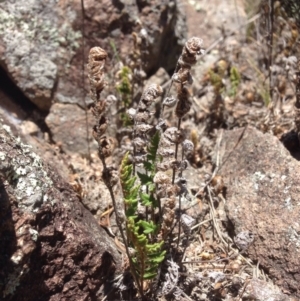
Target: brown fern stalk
{"x": 97, "y": 58}
{"x": 141, "y": 117}
{"x": 170, "y": 188}
{"x": 182, "y": 77}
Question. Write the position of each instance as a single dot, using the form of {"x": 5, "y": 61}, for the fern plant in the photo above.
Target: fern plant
{"x": 151, "y": 177}
{"x": 124, "y": 88}
{"x": 141, "y": 233}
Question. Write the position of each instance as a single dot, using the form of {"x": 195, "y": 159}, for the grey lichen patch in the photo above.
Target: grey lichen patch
{"x": 34, "y": 234}
{"x": 262, "y": 180}
{"x": 36, "y": 38}
{"x": 42, "y": 73}
{"x": 293, "y": 236}
{"x": 21, "y": 171}
{"x": 7, "y": 128}
{"x": 288, "y": 204}
{"x": 257, "y": 177}
{"x": 36, "y": 27}
{"x": 2, "y": 156}
{"x": 24, "y": 172}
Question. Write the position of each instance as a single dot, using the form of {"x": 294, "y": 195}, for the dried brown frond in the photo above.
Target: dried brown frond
{"x": 184, "y": 104}
{"x": 142, "y": 116}
{"x": 99, "y": 108}
{"x": 183, "y": 76}
{"x": 149, "y": 95}
{"x": 188, "y": 146}
{"x": 110, "y": 176}
{"x": 107, "y": 145}
{"x": 152, "y": 92}
{"x": 97, "y": 58}
{"x": 190, "y": 51}
{"x": 141, "y": 129}
{"x": 161, "y": 178}
{"x": 168, "y": 164}
{"x": 139, "y": 143}
{"x": 100, "y": 128}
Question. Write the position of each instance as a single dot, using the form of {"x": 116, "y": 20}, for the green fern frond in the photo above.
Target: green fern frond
{"x": 114, "y": 48}
{"x": 235, "y": 79}
{"x": 130, "y": 190}
{"x": 145, "y": 179}
{"x": 140, "y": 233}
{"x": 149, "y": 227}
{"x": 147, "y": 199}
{"x": 152, "y": 153}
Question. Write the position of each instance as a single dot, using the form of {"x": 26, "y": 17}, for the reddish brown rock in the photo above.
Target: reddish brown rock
{"x": 263, "y": 188}
{"x": 51, "y": 248}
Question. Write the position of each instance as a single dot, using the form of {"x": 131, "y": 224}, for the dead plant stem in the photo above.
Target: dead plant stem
{"x": 213, "y": 216}
{"x": 270, "y": 44}
{"x": 83, "y": 86}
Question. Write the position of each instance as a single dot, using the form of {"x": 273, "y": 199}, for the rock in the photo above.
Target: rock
{"x": 68, "y": 127}
{"x": 219, "y": 19}
{"x": 37, "y": 43}
{"x": 51, "y": 248}
{"x": 40, "y": 41}
{"x": 260, "y": 290}
{"x": 30, "y": 133}
{"x": 262, "y": 191}
{"x": 159, "y": 78}
{"x": 215, "y": 16}
{"x": 29, "y": 128}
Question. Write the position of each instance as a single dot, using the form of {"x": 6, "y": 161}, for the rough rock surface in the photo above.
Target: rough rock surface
{"x": 68, "y": 127}
{"x": 260, "y": 290}
{"x": 212, "y": 21}
{"x": 262, "y": 181}
{"x": 22, "y": 126}
{"x": 40, "y": 41}
{"x": 215, "y": 15}
{"x": 51, "y": 248}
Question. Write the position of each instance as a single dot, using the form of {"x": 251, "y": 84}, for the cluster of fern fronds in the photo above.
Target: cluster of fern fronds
{"x": 152, "y": 175}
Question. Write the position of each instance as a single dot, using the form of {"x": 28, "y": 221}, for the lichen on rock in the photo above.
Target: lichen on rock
{"x": 52, "y": 243}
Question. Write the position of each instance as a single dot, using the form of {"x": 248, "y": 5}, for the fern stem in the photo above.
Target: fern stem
{"x": 179, "y": 223}
{"x": 83, "y": 85}
{"x": 119, "y": 224}
{"x": 179, "y": 207}
{"x": 159, "y": 209}
{"x": 169, "y": 89}
{"x": 176, "y": 151}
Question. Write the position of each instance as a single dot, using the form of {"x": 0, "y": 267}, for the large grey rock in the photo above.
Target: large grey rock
{"x": 51, "y": 247}
{"x": 263, "y": 189}
{"x": 41, "y": 41}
